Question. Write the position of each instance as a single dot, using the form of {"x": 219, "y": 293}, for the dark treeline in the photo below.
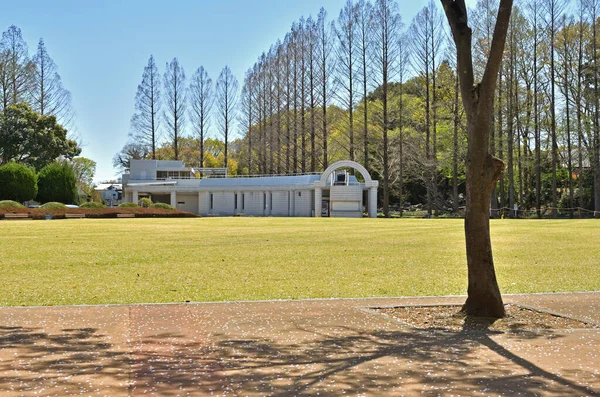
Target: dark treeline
{"x": 367, "y": 86}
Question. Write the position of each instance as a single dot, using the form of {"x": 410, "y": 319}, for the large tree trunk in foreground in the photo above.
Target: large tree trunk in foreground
{"x": 483, "y": 170}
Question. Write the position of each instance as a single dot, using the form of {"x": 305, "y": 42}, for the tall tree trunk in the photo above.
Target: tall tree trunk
{"x": 567, "y": 67}
{"x": 483, "y": 170}
{"x": 553, "y": 113}
{"x": 501, "y": 138}
{"x": 536, "y": 124}
{"x": 579, "y": 110}
{"x": 596, "y": 140}
{"x": 313, "y": 134}
{"x": 455, "y": 149}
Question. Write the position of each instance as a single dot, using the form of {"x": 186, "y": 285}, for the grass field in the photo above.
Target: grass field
{"x": 214, "y": 259}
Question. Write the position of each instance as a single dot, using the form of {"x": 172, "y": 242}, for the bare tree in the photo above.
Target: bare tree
{"x": 387, "y": 24}
{"x": 201, "y": 100}
{"x": 554, "y": 9}
{"x": 534, "y": 11}
{"x": 175, "y": 100}
{"x": 279, "y": 76}
{"x": 247, "y": 106}
{"x": 17, "y": 69}
{"x": 311, "y": 43}
{"x": 403, "y": 61}
{"x": 301, "y": 44}
{"x": 226, "y": 100}
{"x": 131, "y": 151}
{"x": 422, "y": 48}
{"x": 346, "y": 53}
{"x": 295, "y": 44}
{"x": 483, "y": 170}
{"x": 145, "y": 120}
{"x": 326, "y": 67}
{"x": 593, "y": 11}
{"x": 48, "y": 94}
{"x": 289, "y": 98}
{"x": 365, "y": 17}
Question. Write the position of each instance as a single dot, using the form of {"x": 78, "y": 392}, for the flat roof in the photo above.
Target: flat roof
{"x": 260, "y": 181}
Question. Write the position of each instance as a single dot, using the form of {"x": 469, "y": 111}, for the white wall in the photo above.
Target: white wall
{"x": 304, "y": 203}
{"x": 253, "y": 203}
{"x": 346, "y": 193}
{"x": 280, "y": 203}
{"x": 187, "y": 202}
{"x": 203, "y": 203}
{"x": 223, "y": 203}
{"x": 142, "y": 170}
{"x": 346, "y": 201}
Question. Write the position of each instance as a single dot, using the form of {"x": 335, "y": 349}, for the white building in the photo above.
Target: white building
{"x": 334, "y": 193}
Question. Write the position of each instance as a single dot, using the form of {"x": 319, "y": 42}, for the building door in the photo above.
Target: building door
{"x": 325, "y": 208}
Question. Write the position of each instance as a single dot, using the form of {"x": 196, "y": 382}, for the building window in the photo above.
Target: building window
{"x": 211, "y": 201}
{"x": 264, "y": 201}
{"x": 235, "y": 201}
{"x": 243, "y": 201}
{"x": 299, "y": 194}
{"x": 161, "y": 174}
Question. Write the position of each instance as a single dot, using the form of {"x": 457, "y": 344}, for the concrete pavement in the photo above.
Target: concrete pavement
{"x": 291, "y": 348}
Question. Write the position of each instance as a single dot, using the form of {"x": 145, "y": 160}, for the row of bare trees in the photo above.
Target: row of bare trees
{"x": 31, "y": 78}
{"x": 179, "y": 105}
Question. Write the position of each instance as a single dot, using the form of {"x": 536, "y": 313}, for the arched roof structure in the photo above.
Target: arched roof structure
{"x": 345, "y": 164}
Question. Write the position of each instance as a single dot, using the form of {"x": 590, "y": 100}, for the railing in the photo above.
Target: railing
{"x": 265, "y": 175}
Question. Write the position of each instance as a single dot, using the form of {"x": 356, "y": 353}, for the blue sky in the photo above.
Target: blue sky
{"x": 101, "y": 48}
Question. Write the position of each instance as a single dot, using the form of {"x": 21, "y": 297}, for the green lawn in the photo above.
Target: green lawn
{"x": 213, "y": 259}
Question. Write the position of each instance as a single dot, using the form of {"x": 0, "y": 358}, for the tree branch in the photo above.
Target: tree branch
{"x": 456, "y": 13}
{"x": 494, "y": 63}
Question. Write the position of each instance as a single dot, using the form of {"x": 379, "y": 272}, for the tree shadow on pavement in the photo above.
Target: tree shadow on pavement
{"x": 391, "y": 362}
{"x": 84, "y": 361}
{"x": 302, "y": 360}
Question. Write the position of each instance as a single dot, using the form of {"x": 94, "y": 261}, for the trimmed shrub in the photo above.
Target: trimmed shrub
{"x": 56, "y": 182}
{"x": 17, "y": 182}
{"x": 128, "y": 205}
{"x": 162, "y": 206}
{"x": 145, "y": 202}
{"x": 92, "y": 204}
{"x": 9, "y": 205}
{"x": 53, "y": 205}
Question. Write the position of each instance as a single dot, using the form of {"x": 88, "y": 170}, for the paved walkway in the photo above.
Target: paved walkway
{"x": 288, "y": 348}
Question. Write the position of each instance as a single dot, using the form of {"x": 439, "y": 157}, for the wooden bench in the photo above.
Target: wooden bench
{"x": 125, "y": 215}
{"x": 71, "y": 216}
{"x": 16, "y": 216}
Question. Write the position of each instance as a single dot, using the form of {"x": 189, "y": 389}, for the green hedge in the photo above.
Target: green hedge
{"x": 128, "y": 205}
{"x": 56, "y": 182}
{"x": 53, "y": 205}
{"x": 162, "y": 206}
{"x": 9, "y": 205}
{"x": 145, "y": 202}
{"x": 18, "y": 182}
{"x": 92, "y": 204}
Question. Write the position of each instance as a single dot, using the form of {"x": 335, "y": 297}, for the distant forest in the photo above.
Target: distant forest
{"x": 367, "y": 86}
